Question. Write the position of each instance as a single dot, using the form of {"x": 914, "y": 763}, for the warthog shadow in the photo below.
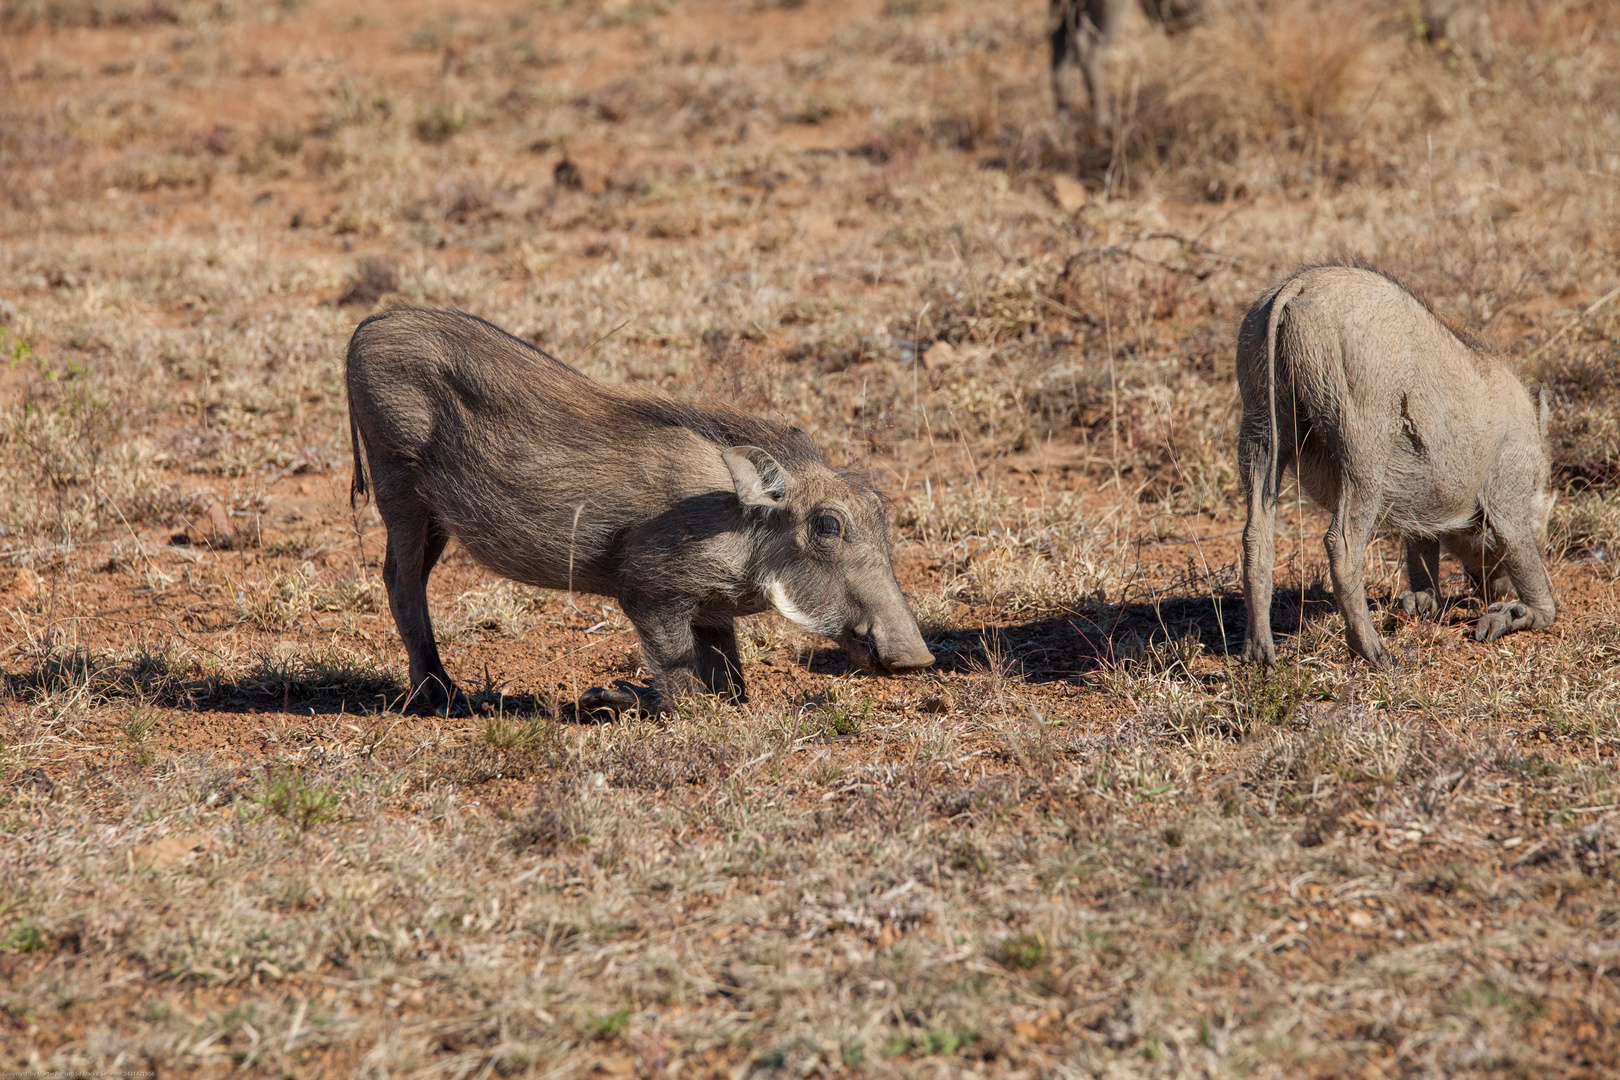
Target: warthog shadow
{"x": 1067, "y": 647}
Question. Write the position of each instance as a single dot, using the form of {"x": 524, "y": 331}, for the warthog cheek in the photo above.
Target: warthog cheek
{"x": 790, "y": 611}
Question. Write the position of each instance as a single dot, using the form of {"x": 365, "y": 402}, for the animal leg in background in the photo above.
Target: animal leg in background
{"x": 1063, "y": 14}
{"x": 1422, "y": 597}
{"x": 1082, "y": 31}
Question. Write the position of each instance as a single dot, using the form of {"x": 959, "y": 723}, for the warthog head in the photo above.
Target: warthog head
{"x": 822, "y": 558}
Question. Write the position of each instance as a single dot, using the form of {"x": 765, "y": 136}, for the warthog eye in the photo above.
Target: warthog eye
{"x": 827, "y": 525}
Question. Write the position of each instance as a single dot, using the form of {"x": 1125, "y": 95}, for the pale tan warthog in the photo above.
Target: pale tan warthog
{"x": 1392, "y": 422}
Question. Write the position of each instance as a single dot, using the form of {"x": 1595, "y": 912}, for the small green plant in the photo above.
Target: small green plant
{"x": 13, "y": 343}
{"x": 943, "y": 1043}
{"x": 438, "y": 122}
{"x": 136, "y": 729}
{"x": 612, "y": 1025}
{"x": 835, "y": 719}
{"x": 294, "y": 797}
{"x": 946, "y": 1043}
{"x": 1023, "y": 952}
{"x": 26, "y": 936}
{"x": 1265, "y": 696}
{"x": 522, "y": 743}
{"x": 509, "y": 735}
{"x": 825, "y": 773}
{"x": 967, "y": 856}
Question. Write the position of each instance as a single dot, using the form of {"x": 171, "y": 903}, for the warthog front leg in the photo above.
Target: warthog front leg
{"x": 1423, "y": 598}
{"x": 622, "y": 696}
{"x": 1534, "y": 609}
{"x": 719, "y": 667}
{"x": 684, "y": 658}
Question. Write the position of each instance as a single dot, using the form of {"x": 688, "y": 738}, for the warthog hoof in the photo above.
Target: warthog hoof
{"x": 621, "y": 697}
{"x": 1380, "y": 657}
{"x": 1503, "y": 617}
{"x": 1421, "y": 605}
{"x": 1260, "y": 652}
{"x": 432, "y": 698}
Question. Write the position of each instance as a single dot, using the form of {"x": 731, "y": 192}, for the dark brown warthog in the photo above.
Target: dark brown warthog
{"x": 1083, "y": 30}
{"x": 1392, "y": 422}
{"x": 688, "y": 517}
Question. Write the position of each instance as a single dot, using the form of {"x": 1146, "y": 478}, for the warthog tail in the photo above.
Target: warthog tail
{"x": 357, "y": 482}
{"x": 1284, "y": 296}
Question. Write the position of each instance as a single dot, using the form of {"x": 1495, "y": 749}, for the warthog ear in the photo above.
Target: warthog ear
{"x": 760, "y": 479}
{"x": 1546, "y": 412}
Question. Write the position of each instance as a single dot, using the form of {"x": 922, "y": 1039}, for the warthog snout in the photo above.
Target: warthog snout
{"x": 885, "y": 657}
{"x": 889, "y": 645}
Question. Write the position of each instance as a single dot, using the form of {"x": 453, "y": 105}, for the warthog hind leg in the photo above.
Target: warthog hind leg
{"x": 1261, "y": 483}
{"x": 1346, "y": 543}
{"x": 415, "y": 543}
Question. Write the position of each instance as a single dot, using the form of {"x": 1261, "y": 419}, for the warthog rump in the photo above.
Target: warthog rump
{"x": 1391, "y": 421}
{"x": 689, "y": 517}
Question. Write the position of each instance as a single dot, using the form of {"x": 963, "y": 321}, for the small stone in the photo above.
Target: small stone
{"x": 939, "y": 354}
{"x": 1069, "y": 193}
{"x": 18, "y": 582}
{"x": 167, "y": 851}
{"x": 224, "y": 534}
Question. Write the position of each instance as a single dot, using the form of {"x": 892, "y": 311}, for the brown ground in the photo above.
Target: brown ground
{"x": 1088, "y": 842}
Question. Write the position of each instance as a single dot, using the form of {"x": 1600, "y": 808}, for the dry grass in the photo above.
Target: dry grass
{"x": 1086, "y": 843}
